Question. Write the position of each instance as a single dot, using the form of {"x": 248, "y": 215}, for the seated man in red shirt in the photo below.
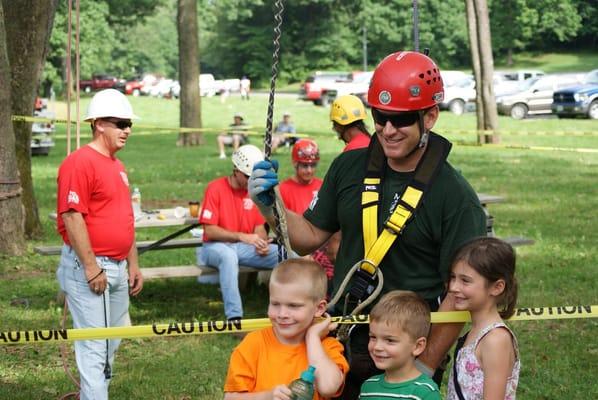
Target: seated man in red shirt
{"x": 298, "y": 191}
{"x": 347, "y": 114}
{"x": 234, "y": 231}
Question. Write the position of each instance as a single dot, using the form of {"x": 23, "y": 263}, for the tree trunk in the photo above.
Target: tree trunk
{"x": 475, "y": 61}
{"x": 483, "y": 66}
{"x": 12, "y": 237}
{"x": 190, "y": 101}
{"x": 28, "y": 26}
{"x": 487, "y": 64}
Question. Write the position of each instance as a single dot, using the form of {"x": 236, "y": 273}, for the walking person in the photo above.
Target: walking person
{"x": 99, "y": 266}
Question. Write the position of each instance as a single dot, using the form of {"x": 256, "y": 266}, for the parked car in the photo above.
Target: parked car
{"x": 535, "y": 95}
{"x": 98, "y": 82}
{"x": 457, "y": 96}
{"x": 507, "y": 82}
{"x": 358, "y": 86}
{"x": 581, "y": 100}
{"x": 317, "y": 86}
{"x": 451, "y": 78}
{"x": 208, "y": 86}
{"x": 132, "y": 86}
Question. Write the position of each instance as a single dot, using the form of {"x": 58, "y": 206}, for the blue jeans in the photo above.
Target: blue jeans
{"x": 90, "y": 310}
{"x": 227, "y": 257}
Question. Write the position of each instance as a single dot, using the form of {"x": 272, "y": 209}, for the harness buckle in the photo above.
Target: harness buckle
{"x": 363, "y": 280}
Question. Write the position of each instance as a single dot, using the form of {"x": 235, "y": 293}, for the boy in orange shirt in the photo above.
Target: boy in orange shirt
{"x": 266, "y": 361}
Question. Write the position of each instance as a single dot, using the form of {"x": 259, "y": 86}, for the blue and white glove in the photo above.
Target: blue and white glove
{"x": 261, "y": 185}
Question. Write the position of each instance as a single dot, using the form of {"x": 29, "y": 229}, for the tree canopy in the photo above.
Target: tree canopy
{"x": 137, "y": 36}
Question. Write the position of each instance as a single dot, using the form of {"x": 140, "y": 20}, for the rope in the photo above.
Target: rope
{"x": 77, "y": 77}
{"x": 68, "y": 78}
{"x": 415, "y": 26}
{"x": 344, "y": 331}
{"x": 280, "y": 226}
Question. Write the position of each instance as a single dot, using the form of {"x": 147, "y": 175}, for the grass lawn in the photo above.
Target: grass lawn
{"x": 551, "y": 197}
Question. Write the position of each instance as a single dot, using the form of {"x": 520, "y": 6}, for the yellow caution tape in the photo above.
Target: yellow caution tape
{"x": 526, "y": 147}
{"x": 246, "y": 325}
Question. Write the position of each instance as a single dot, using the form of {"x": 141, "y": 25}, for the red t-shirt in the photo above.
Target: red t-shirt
{"x": 360, "y": 141}
{"x": 97, "y": 186}
{"x": 296, "y": 196}
{"x": 229, "y": 208}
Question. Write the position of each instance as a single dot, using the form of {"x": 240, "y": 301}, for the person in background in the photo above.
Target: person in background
{"x": 299, "y": 190}
{"x": 283, "y": 132}
{"x": 404, "y": 94}
{"x": 482, "y": 281}
{"x": 98, "y": 267}
{"x": 267, "y": 360}
{"x": 399, "y": 326}
{"x": 236, "y": 135}
{"x": 347, "y": 114}
{"x": 245, "y": 86}
{"x": 234, "y": 232}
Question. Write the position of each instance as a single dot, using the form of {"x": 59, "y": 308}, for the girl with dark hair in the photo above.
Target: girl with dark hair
{"x": 482, "y": 281}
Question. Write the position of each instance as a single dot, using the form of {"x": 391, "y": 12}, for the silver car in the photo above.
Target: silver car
{"x": 535, "y": 95}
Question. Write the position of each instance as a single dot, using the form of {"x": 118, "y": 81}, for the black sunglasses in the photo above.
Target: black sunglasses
{"x": 121, "y": 124}
{"x": 399, "y": 120}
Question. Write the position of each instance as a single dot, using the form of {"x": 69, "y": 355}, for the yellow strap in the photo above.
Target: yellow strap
{"x": 370, "y": 214}
{"x": 375, "y": 250}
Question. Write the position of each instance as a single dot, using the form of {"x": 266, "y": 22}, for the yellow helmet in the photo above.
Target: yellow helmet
{"x": 347, "y": 109}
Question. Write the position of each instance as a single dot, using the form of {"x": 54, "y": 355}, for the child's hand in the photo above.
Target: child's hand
{"x": 323, "y": 328}
{"x": 281, "y": 392}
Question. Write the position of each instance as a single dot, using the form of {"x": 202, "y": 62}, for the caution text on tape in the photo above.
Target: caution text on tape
{"x": 245, "y": 325}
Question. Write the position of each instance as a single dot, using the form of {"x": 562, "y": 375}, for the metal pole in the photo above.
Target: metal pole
{"x": 365, "y": 47}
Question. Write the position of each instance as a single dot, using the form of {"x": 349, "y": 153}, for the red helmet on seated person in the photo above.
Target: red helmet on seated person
{"x": 306, "y": 151}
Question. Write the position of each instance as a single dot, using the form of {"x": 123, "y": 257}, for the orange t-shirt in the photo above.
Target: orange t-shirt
{"x": 260, "y": 362}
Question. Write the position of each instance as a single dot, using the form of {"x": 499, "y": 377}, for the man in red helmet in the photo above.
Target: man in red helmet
{"x": 298, "y": 191}
{"x": 404, "y": 94}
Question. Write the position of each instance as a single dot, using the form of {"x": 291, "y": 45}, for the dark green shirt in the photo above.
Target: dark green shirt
{"x": 419, "y": 260}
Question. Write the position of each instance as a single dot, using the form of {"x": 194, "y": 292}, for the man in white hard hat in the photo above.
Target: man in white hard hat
{"x": 234, "y": 231}
{"x": 98, "y": 265}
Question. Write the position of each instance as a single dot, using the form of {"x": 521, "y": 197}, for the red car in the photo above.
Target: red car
{"x": 316, "y": 87}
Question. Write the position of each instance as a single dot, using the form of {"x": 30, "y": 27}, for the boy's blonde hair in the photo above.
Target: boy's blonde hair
{"x": 298, "y": 269}
{"x": 405, "y": 310}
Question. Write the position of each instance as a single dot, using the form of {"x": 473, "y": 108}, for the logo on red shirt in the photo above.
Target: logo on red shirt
{"x": 123, "y": 175}
{"x": 247, "y": 204}
{"x": 73, "y": 197}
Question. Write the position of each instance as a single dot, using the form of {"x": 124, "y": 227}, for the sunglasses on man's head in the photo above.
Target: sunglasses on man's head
{"x": 398, "y": 120}
{"x": 121, "y": 124}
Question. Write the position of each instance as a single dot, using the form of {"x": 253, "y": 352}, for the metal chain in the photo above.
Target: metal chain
{"x": 280, "y": 228}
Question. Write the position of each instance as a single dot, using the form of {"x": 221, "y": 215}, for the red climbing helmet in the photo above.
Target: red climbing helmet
{"x": 306, "y": 151}
{"x": 406, "y": 81}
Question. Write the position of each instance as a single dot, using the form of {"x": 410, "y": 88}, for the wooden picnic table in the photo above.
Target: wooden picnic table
{"x": 157, "y": 218}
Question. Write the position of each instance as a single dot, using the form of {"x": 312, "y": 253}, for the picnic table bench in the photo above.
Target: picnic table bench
{"x": 166, "y": 217}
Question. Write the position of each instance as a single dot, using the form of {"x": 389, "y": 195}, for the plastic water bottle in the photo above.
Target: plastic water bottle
{"x": 136, "y": 203}
{"x": 303, "y": 388}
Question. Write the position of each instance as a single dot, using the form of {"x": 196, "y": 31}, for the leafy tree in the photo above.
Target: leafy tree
{"x": 521, "y": 24}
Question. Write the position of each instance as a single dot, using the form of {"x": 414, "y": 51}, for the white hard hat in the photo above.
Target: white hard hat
{"x": 109, "y": 103}
{"x": 245, "y": 157}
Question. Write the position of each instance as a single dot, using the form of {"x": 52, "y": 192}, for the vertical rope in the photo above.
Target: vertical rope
{"x": 275, "y": 57}
{"x": 415, "y": 26}
{"x": 77, "y": 78}
{"x": 280, "y": 230}
{"x": 68, "y": 78}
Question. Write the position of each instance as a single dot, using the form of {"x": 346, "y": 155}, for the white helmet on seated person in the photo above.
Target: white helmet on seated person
{"x": 109, "y": 103}
{"x": 245, "y": 157}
